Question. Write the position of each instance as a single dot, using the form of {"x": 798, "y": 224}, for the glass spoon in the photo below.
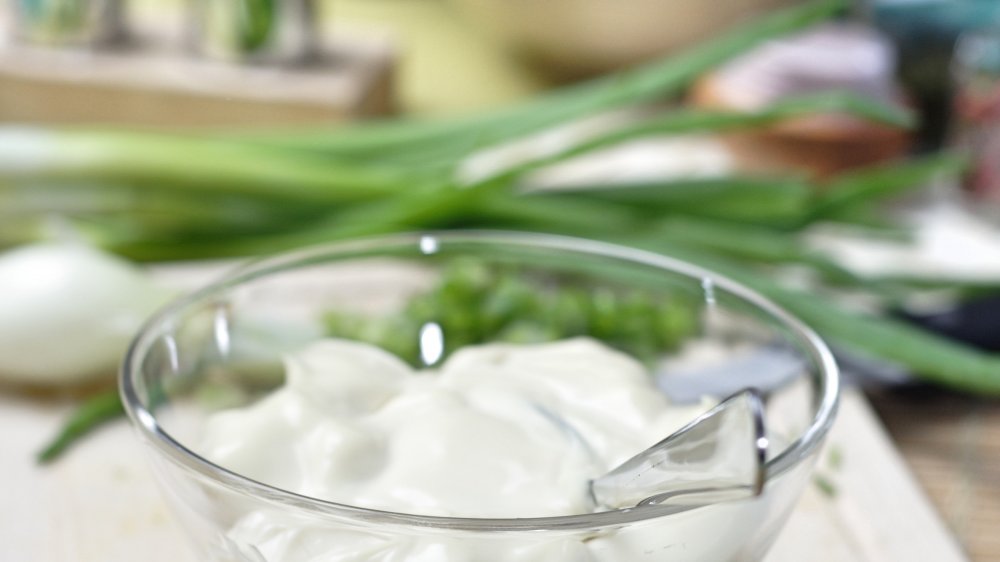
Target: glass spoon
{"x": 717, "y": 457}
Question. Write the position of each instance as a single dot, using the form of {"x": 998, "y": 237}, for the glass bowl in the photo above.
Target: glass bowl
{"x": 222, "y": 347}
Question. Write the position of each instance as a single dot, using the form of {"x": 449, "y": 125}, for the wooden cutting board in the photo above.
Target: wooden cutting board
{"x": 100, "y": 503}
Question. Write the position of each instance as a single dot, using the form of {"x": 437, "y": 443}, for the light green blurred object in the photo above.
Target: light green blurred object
{"x": 52, "y": 19}
{"x": 446, "y": 65}
{"x": 67, "y": 22}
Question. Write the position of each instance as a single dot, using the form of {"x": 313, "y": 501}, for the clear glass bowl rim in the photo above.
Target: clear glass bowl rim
{"x": 145, "y": 420}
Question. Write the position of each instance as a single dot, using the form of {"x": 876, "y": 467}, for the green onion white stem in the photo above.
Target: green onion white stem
{"x": 67, "y": 312}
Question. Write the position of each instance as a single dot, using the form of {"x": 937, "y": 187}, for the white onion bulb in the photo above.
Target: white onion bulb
{"x": 68, "y": 312}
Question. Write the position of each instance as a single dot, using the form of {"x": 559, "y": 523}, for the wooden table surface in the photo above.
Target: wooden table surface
{"x": 952, "y": 445}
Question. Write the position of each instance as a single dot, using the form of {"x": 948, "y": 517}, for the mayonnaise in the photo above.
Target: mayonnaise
{"x": 483, "y": 436}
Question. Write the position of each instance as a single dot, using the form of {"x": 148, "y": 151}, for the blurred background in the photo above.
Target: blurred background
{"x": 846, "y": 153}
{"x": 504, "y": 50}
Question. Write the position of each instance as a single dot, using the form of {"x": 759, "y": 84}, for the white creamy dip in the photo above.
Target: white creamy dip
{"x": 475, "y": 438}
{"x": 354, "y": 424}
